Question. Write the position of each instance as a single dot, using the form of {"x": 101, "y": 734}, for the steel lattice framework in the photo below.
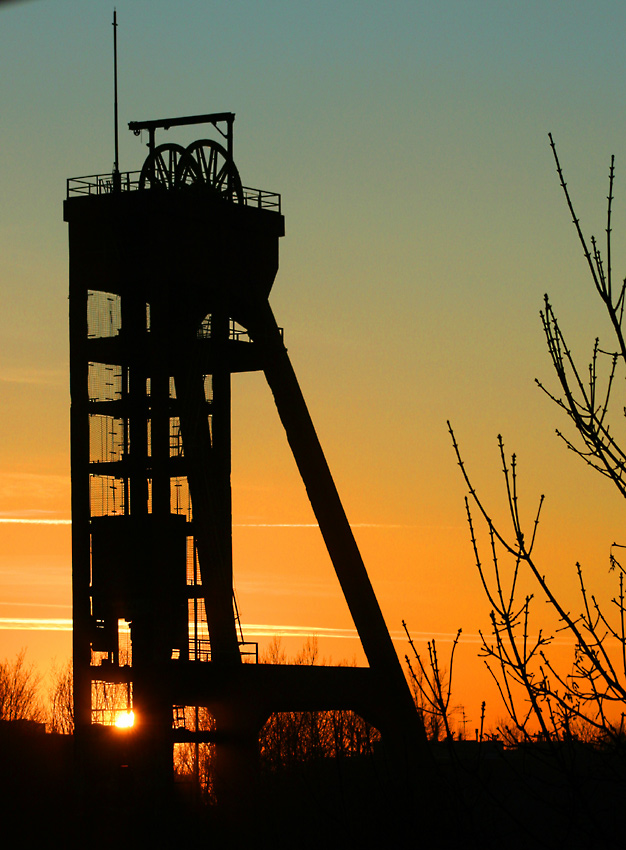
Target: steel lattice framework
{"x": 170, "y": 275}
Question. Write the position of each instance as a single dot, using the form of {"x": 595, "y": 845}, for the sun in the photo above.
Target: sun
{"x": 125, "y": 720}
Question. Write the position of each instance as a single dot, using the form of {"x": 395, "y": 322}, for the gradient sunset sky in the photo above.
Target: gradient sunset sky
{"x": 424, "y": 222}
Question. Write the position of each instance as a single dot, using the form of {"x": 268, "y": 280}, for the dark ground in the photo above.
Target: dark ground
{"x": 470, "y": 797}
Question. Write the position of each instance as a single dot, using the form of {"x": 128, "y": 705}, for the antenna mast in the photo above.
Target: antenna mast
{"x": 117, "y": 181}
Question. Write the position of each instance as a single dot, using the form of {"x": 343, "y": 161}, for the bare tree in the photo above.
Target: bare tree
{"x": 61, "y": 700}
{"x": 432, "y": 687}
{"x": 590, "y": 699}
{"x": 19, "y": 690}
{"x": 195, "y": 760}
{"x": 585, "y": 396}
{"x": 294, "y": 737}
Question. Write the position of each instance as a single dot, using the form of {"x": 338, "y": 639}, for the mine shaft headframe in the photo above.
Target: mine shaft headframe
{"x": 204, "y": 162}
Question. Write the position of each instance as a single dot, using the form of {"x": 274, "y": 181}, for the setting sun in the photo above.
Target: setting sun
{"x": 125, "y": 720}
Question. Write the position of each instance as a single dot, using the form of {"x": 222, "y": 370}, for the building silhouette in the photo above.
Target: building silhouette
{"x": 171, "y": 269}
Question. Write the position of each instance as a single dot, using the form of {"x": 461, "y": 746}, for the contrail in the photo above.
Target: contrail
{"x": 35, "y": 624}
{"x": 19, "y": 521}
{"x": 262, "y": 630}
{"x": 258, "y": 630}
{"x": 25, "y": 521}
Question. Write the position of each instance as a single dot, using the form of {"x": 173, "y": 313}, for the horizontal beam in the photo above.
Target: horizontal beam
{"x": 166, "y": 123}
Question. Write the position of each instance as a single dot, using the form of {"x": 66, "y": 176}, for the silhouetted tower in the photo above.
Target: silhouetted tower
{"x": 170, "y": 273}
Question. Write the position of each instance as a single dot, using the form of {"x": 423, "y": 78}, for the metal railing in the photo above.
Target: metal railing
{"x": 261, "y": 198}
{"x": 102, "y": 184}
{"x": 200, "y": 650}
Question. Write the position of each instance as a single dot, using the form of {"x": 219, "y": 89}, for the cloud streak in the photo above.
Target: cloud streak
{"x": 264, "y": 630}
{"x": 35, "y": 624}
{"x": 21, "y": 375}
{"x": 43, "y": 521}
{"x": 250, "y": 630}
{"x": 5, "y": 520}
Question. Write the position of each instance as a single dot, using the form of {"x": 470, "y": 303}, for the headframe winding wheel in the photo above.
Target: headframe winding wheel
{"x": 162, "y": 167}
{"x": 209, "y": 163}
{"x": 203, "y": 163}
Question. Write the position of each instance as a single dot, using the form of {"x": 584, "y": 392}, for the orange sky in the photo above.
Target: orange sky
{"x": 424, "y": 222}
